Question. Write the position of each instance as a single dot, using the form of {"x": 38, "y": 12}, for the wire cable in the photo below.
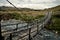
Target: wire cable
{"x": 12, "y": 4}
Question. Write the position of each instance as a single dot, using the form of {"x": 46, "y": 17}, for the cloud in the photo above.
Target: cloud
{"x": 57, "y": 2}
{"x": 36, "y": 4}
{"x": 36, "y": 1}
{"x": 42, "y": 1}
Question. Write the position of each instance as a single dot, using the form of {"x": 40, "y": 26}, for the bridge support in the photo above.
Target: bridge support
{"x": 1, "y": 38}
{"x": 16, "y": 27}
{"x": 11, "y": 36}
{"x": 0, "y": 31}
{"x": 29, "y": 33}
{"x": 37, "y": 29}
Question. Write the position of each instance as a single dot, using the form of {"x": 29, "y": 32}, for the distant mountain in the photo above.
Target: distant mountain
{"x": 54, "y": 9}
{"x": 6, "y": 8}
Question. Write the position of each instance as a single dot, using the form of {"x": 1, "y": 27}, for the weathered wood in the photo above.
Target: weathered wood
{"x": 30, "y": 29}
{"x": 1, "y": 38}
{"x": 29, "y": 33}
{"x": 10, "y": 36}
{"x": 37, "y": 29}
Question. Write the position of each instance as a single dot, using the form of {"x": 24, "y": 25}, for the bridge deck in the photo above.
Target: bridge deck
{"x": 29, "y": 31}
{"x": 46, "y": 35}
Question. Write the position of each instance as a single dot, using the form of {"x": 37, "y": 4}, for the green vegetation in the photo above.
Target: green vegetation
{"x": 17, "y": 16}
{"x": 55, "y": 25}
{"x": 8, "y": 16}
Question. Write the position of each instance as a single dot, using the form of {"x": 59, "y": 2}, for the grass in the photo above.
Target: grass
{"x": 18, "y": 16}
{"x": 55, "y": 25}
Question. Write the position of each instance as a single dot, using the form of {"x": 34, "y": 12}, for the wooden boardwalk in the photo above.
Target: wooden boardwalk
{"x": 26, "y": 32}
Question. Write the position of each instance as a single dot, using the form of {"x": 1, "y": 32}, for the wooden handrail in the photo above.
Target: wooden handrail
{"x": 43, "y": 22}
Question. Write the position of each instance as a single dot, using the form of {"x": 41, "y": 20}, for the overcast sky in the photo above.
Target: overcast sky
{"x": 35, "y": 4}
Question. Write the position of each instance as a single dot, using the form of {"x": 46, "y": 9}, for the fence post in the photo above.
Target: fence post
{"x": 16, "y": 27}
{"x": 1, "y": 38}
{"x": 37, "y": 29}
{"x": 10, "y": 36}
{"x": 29, "y": 33}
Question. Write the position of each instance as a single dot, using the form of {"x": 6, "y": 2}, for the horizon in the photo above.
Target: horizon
{"x": 29, "y": 8}
{"x": 33, "y": 4}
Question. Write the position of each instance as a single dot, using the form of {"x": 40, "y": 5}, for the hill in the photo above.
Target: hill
{"x": 55, "y": 10}
{"x": 7, "y": 8}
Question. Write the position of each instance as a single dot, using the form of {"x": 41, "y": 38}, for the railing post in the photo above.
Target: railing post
{"x": 1, "y": 38}
{"x": 16, "y": 27}
{"x": 10, "y": 36}
{"x": 29, "y": 33}
{"x": 37, "y": 29}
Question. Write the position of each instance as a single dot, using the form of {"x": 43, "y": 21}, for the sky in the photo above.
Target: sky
{"x": 34, "y": 4}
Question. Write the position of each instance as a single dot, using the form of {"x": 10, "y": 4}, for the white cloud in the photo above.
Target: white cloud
{"x": 31, "y": 1}
{"x": 42, "y": 1}
{"x": 36, "y": 4}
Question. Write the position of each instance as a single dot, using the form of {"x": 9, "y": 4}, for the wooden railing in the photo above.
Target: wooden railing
{"x": 26, "y": 32}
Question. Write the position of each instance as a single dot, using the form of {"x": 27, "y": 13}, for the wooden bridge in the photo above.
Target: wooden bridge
{"x": 27, "y": 32}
